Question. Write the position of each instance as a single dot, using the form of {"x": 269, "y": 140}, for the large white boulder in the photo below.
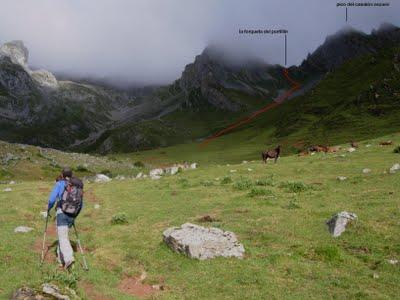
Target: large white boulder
{"x": 22, "y": 229}
{"x": 45, "y": 78}
{"x": 102, "y": 178}
{"x": 203, "y": 243}
{"x": 156, "y": 172}
{"x": 394, "y": 168}
{"x": 16, "y": 51}
{"x": 337, "y": 224}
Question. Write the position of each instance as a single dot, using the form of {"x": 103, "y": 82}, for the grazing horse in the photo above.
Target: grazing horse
{"x": 273, "y": 154}
{"x": 386, "y": 143}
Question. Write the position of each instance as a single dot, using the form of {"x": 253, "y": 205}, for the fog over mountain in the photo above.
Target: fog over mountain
{"x": 150, "y": 42}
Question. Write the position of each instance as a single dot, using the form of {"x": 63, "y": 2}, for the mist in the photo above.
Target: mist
{"x": 149, "y": 42}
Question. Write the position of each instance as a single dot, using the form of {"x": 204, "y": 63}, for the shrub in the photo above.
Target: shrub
{"x": 119, "y": 219}
{"x": 264, "y": 182}
{"x": 295, "y": 187}
{"x": 81, "y": 168}
{"x": 226, "y": 180}
{"x": 256, "y": 192}
{"x": 328, "y": 253}
{"x": 293, "y": 204}
{"x": 184, "y": 182}
{"x": 138, "y": 164}
{"x": 207, "y": 183}
{"x": 397, "y": 149}
{"x": 243, "y": 184}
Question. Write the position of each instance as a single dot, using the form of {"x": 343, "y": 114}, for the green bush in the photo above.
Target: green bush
{"x": 81, "y": 168}
{"x": 119, "y": 219}
{"x": 293, "y": 204}
{"x": 295, "y": 187}
{"x": 138, "y": 164}
{"x": 397, "y": 149}
{"x": 226, "y": 180}
{"x": 243, "y": 184}
{"x": 329, "y": 253}
{"x": 264, "y": 182}
{"x": 207, "y": 183}
{"x": 257, "y": 192}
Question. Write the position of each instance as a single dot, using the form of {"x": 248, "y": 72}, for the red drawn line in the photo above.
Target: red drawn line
{"x": 278, "y": 101}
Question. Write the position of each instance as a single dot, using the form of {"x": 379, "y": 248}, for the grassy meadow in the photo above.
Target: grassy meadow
{"x": 278, "y": 212}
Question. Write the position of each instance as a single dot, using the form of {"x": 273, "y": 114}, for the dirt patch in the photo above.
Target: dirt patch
{"x": 134, "y": 286}
{"x": 90, "y": 197}
{"x": 45, "y": 190}
{"x": 207, "y": 218}
{"x": 91, "y": 292}
{"x": 50, "y": 255}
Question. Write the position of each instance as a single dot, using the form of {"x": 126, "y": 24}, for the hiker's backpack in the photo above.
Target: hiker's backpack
{"x": 71, "y": 200}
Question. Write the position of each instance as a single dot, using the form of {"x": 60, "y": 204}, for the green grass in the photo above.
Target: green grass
{"x": 278, "y": 212}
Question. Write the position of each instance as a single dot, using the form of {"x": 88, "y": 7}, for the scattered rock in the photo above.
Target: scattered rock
{"x": 156, "y": 172}
{"x": 155, "y": 177}
{"x": 139, "y": 175}
{"x": 53, "y": 290}
{"x": 43, "y": 214}
{"x": 366, "y": 171}
{"x": 193, "y": 166}
{"x": 203, "y": 243}
{"x": 341, "y": 178}
{"x": 11, "y": 182}
{"x": 102, "y": 178}
{"x": 233, "y": 171}
{"x": 120, "y": 177}
{"x": 393, "y": 261}
{"x": 174, "y": 170}
{"x": 22, "y": 229}
{"x": 96, "y": 206}
{"x": 7, "y": 189}
{"x": 26, "y": 293}
{"x": 249, "y": 169}
{"x": 244, "y": 162}
{"x": 351, "y": 149}
{"x": 368, "y": 145}
{"x": 394, "y": 168}
{"x": 337, "y": 224}
{"x": 375, "y": 275}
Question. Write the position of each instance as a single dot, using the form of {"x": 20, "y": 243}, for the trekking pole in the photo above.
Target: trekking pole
{"x": 80, "y": 249}
{"x": 44, "y": 236}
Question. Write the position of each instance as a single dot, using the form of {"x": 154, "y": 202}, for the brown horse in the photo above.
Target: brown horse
{"x": 273, "y": 154}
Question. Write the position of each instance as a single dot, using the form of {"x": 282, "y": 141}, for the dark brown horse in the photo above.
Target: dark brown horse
{"x": 273, "y": 154}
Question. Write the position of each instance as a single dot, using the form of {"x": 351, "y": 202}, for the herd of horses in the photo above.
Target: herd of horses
{"x": 275, "y": 153}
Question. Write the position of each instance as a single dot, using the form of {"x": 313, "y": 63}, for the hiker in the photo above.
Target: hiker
{"x": 271, "y": 154}
{"x": 67, "y": 192}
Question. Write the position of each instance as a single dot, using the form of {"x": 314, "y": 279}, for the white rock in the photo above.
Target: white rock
{"x": 53, "y": 290}
{"x": 394, "y": 168}
{"x": 120, "y": 177}
{"x": 43, "y": 214}
{"x": 233, "y": 171}
{"x": 102, "y": 178}
{"x": 140, "y": 175}
{"x": 393, "y": 261}
{"x": 337, "y": 224}
{"x": 7, "y": 189}
{"x": 22, "y": 229}
{"x": 45, "y": 78}
{"x": 312, "y": 153}
{"x": 375, "y": 276}
{"x": 155, "y": 177}
{"x": 203, "y": 243}
{"x": 193, "y": 166}
{"x": 12, "y": 182}
{"x": 244, "y": 162}
{"x": 174, "y": 170}
{"x": 249, "y": 169}
{"x": 341, "y": 178}
{"x": 156, "y": 172}
{"x": 351, "y": 149}
{"x": 96, "y": 206}
{"x": 366, "y": 171}
{"x": 368, "y": 145}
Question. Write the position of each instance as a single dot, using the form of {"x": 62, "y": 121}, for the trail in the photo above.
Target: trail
{"x": 295, "y": 86}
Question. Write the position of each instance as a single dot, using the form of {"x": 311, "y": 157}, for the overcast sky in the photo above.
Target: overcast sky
{"x": 150, "y": 41}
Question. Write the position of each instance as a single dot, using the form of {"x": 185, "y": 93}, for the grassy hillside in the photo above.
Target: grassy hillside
{"x": 277, "y": 211}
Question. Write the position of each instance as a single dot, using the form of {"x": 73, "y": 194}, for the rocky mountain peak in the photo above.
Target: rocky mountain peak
{"x": 16, "y": 51}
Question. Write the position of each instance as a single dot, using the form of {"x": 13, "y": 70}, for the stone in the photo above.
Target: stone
{"x": 366, "y": 171}
{"x": 193, "y": 166}
{"x": 155, "y": 177}
{"x": 174, "y": 170}
{"x": 393, "y": 261}
{"x": 203, "y": 243}
{"x": 43, "y": 214}
{"x": 53, "y": 290}
{"x": 368, "y": 145}
{"x": 12, "y": 182}
{"x": 7, "y": 189}
{"x": 244, "y": 162}
{"x": 45, "y": 78}
{"x": 26, "y": 293}
{"x": 233, "y": 171}
{"x": 102, "y": 178}
{"x": 351, "y": 149}
{"x": 156, "y": 172}
{"x": 22, "y": 229}
{"x": 394, "y": 168}
{"x": 96, "y": 206}
{"x": 139, "y": 175}
{"x": 120, "y": 177}
{"x": 249, "y": 169}
{"x": 341, "y": 178}
{"x": 337, "y": 224}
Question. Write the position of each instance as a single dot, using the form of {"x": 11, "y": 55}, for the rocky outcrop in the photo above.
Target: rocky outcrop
{"x": 17, "y": 52}
{"x": 203, "y": 243}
